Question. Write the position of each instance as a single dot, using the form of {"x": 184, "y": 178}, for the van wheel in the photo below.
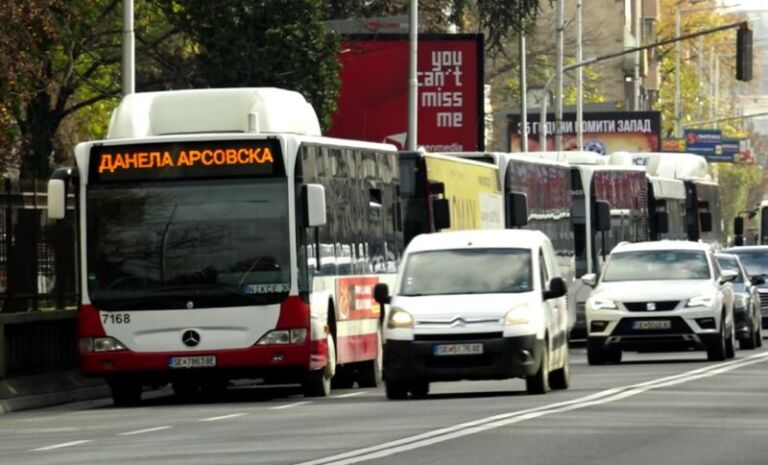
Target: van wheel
{"x": 561, "y": 378}
{"x": 370, "y": 372}
{"x": 125, "y": 394}
{"x": 396, "y": 390}
{"x": 419, "y": 389}
{"x": 539, "y": 382}
{"x": 318, "y": 382}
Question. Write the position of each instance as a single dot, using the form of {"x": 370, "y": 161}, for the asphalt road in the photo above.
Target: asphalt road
{"x": 653, "y": 409}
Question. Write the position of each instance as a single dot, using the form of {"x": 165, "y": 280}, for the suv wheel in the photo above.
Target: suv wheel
{"x": 595, "y": 353}
{"x": 716, "y": 349}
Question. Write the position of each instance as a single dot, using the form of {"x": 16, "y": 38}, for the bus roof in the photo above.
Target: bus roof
{"x": 572, "y": 157}
{"x": 687, "y": 166}
{"x": 233, "y": 110}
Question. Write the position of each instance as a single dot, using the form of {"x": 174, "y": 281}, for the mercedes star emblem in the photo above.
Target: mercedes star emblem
{"x": 190, "y": 338}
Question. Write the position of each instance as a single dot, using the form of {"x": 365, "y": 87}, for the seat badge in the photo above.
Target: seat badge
{"x": 650, "y": 306}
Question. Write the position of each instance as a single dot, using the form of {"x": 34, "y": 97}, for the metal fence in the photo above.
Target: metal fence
{"x": 38, "y": 283}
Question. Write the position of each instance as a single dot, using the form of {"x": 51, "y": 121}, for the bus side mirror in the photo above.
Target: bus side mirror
{"x": 738, "y": 226}
{"x": 662, "y": 222}
{"x": 441, "y": 211}
{"x": 706, "y": 221}
{"x": 517, "y": 209}
{"x": 57, "y": 199}
{"x": 602, "y": 215}
{"x": 313, "y": 197}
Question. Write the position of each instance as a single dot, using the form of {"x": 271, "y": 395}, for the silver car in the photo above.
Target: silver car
{"x": 746, "y": 304}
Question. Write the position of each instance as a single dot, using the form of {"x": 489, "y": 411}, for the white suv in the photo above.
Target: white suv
{"x": 667, "y": 295}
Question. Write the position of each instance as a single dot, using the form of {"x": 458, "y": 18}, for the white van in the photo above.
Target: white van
{"x": 485, "y": 304}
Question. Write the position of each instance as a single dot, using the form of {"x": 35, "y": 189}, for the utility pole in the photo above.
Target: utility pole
{"x": 413, "y": 83}
{"x": 523, "y": 87}
{"x": 129, "y": 56}
{"x": 559, "y": 79}
{"x": 579, "y": 79}
{"x": 638, "y": 37}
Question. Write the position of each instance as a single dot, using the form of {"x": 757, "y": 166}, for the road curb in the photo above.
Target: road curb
{"x": 30, "y": 392}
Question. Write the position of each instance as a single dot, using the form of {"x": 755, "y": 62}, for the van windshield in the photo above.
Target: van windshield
{"x": 467, "y": 271}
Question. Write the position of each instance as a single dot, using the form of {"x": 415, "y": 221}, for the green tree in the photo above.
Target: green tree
{"x": 265, "y": 43}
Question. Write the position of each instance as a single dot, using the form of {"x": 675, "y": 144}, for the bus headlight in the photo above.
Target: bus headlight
{"x": 399, "y": 319}
{"x": 283, "y": 337}
{"x": 100, "y": 344}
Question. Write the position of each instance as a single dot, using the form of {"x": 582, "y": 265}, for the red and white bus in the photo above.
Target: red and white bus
{"x": 221, "y": 237}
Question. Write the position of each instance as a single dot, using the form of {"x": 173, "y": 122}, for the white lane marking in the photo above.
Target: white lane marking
{"x": 351, "y": 394}
{"x": 142, "y": 431}
{"x": 497, "y": 421}
{"x": 295, "y": 404}
{"x": 224, "y": 417}
{"x": 59, "y": 446}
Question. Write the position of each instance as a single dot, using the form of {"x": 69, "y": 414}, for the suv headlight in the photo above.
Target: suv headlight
{"x": 740, "y": 301}
{"x": 701, "y": 301}
{"x": 399, "y": 319}
{"x": 598, "y": 303}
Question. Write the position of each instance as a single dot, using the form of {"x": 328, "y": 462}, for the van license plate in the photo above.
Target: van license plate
{"x": 651, "y": 324}
{"x": 196, "y": 361}
{"x": 457, "y": 349}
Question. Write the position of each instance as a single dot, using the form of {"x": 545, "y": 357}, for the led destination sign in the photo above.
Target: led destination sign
{"x": 186, "y": 160}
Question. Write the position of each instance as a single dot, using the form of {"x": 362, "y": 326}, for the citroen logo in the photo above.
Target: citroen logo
{"x": 190, "y": 338}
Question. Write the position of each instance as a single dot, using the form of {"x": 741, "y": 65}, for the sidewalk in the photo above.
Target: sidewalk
{"x": 29, "y": 392}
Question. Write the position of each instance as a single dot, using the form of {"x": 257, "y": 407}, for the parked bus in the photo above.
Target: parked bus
{"x": 222, "y": 237}
{"x": 702, "y": 194}
{"x": 447, "y": 193}
{"x": 537, "y": 196}
{"x": 609, "y": 206}
{"x": 666, "y": 197}
{"x": 757, "y": 233}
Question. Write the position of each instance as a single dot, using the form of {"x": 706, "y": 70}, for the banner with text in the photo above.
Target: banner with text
{"x": 373, "y": 100}
{"x": 604, "y": 132}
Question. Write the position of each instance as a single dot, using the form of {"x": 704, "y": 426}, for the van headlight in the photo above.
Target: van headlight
{"x": 701, "y": 301}
{"x": 517, "y": 316}
{"x": 399, "y": 319}
{"x": 598, "y": 303}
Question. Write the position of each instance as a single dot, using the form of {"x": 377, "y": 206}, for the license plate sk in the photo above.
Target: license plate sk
{"x": 195, "y": 361}
{"x": 457, "y": 349}
{"x": 651, "y": 324}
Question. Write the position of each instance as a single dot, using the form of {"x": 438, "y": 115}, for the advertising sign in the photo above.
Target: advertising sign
{"x": 708, "y": 143}
{"x": 373, "y": 100}
{"x": 604, "y": 132}
{"x": 673, "y": 145}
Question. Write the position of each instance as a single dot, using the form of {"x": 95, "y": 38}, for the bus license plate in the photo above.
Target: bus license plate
{"x": 196, "y": 361}
{"x": 651, "y": 324}
{"x": 458, "y": 349}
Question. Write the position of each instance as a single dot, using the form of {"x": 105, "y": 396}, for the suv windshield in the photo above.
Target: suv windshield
{"x": 655, "y": 265}
{"x": 473, "y": 271}
{"x": 756, "y": 262}
{"x": 171, "y": 245}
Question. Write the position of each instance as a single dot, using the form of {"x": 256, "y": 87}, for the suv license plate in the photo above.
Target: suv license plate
{"x": 651, "y": 324}
{"x": 196, "y": 361}
{"x": 457, "y": 349}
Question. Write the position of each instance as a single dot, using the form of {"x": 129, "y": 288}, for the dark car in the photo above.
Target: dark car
{"x": 755, "y": 261}
{"x": 746, "y": 304}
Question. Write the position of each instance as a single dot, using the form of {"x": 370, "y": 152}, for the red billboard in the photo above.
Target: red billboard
{"x": 373, "y": 101}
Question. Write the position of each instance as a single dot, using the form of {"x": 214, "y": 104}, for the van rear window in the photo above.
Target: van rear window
{"x": 467, "y": 271}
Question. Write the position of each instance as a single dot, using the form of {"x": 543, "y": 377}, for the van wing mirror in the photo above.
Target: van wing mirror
{"x": 602, "y": 220}
{"x": 706, "y": 221}
{"x": 313, "y": 198}
{"x": 517, "y": 209}
{"x": 556, "y": 289}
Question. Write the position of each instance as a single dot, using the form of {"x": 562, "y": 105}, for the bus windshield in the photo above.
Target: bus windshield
{"x": 188, "y": 245}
